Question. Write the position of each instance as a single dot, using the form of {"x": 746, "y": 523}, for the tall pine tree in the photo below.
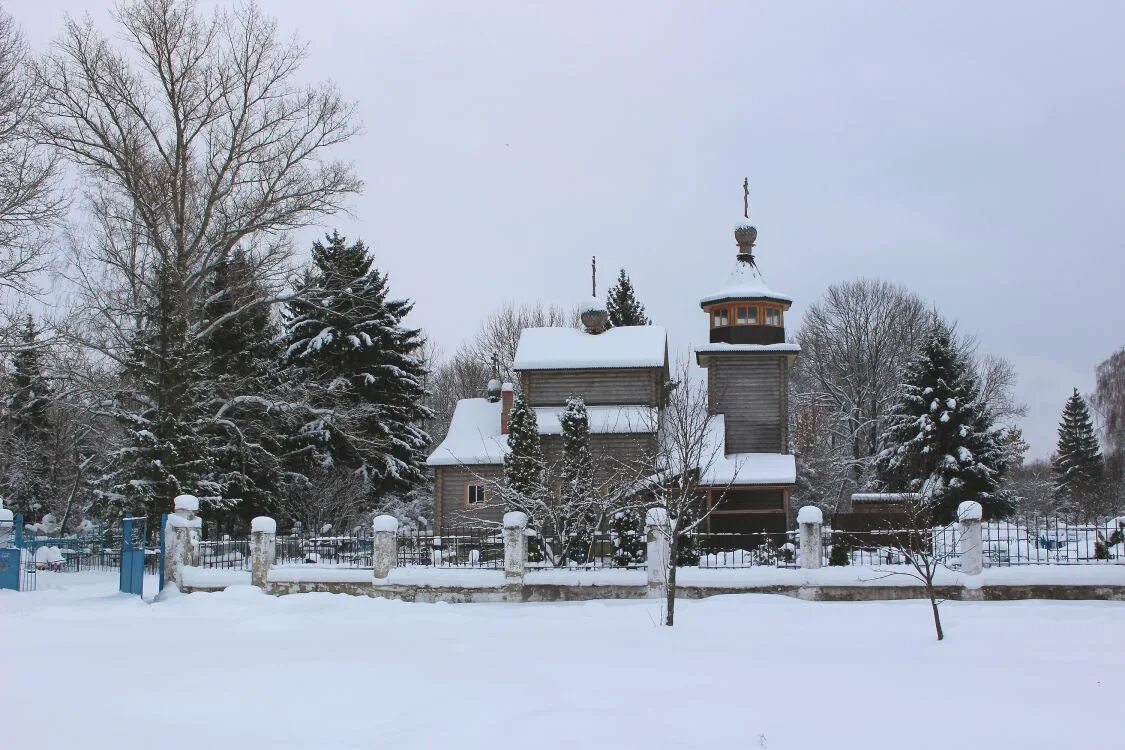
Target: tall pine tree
{"x": 29, "y": 453}
{"x": 622, "y": 305}
{"x": 162, "y": 407}
{"x": 246, "y": 436}
{"x": 1077, "y": 465}
{"x": 941, "y": 442}
{"x": 345, "y": 339}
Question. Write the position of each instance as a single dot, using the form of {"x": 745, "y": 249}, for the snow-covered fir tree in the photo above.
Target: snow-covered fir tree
{"x": 162, "y": 408}
{"x": 247, "y": 434}
{"x": 524, "y": 471}
{"x": 1077, "y": 465}
{"x": 523, "y": 465}
{"x": 627, "y": 534}
{"x": 345, "y": 341}
{"x": 622, "y": 304}
{"x": 941, "y": 442}
{"x": 578, "y": 489}
{"x": 30, "y": 431}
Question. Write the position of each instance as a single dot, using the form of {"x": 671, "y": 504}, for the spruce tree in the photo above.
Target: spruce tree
{"x": 578, "y": 490}
{"x": 941, "y": 442}
{"x": 622, "y": 305}
{"x": 27, "y": 480}
{"x": 523, "y": 465}
{"x": 524, "y": 471}
{"x": 344, "y": 338}
{"x": 1077, "y": 465}
{"x": 162, "y": 408}
{"x": 242, "y": 353}
{"x": 627, "y": 534}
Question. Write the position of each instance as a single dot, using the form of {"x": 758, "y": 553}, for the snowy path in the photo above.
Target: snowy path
{"x": 85, "y": 667}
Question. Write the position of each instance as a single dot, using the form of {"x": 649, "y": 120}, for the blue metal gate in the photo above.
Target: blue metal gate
{"x": 133, "y": 555}
{"x": 13, "y": 576}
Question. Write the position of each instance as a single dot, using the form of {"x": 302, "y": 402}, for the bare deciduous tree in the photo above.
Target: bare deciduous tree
{"x": 195, "y": 139}
{"x": 855, "y": 343}
{"x": 1108, "y": 401}
{"x": 488, "y": 354}
{"x": 914, "y": 540}
{"x": 29, "y": 202}
{"x": 690, "y": 450}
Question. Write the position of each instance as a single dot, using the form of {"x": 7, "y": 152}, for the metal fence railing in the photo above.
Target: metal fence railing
{"x": 93, "y": 550}
{"x": 1026, "y": 540}
{"x": 741, "y": 550}
{"x": 342, "y": 550}
{"x": 225, "y": 553}
{"x": 466, "y": 547}
{"x": 1053, "y": 540}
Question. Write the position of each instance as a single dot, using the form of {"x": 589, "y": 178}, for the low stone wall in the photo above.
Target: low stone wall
{"x": 516, "y": 583}
{"x": 569, "y": 593}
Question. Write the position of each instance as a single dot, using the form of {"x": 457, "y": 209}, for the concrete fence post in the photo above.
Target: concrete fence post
{"x": 969, "y": 514}
{"x": 263, "y": 549}
{"x": 809, "y": 522}
{"x": 384, "y": 544}
{"x": 182, "y": 537}
{"x": 659, "y": 552}
{"x": 515, "y": 546}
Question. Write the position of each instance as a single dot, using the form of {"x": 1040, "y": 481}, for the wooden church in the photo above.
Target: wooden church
{"x": 622, "y": 375}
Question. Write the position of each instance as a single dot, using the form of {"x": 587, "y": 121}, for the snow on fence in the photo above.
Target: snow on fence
{"x": 1026, "y": 540}
{"x": 723, "y": 550}
{"x": 95, "y": 549}
{"x": 224, "y": 553}
{"x": 467, "y": 547}
{"x": 352, "y": 550}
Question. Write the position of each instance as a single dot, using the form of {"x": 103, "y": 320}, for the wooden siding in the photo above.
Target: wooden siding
{"x": 450, "y": 505}
{"x": 634, "y": 387}
{"x": 609, "y": 451}
{"x": 752, "y": 392}
{"x": 758, "y": 509}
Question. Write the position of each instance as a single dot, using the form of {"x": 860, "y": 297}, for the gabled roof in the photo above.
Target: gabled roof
{"x": 572, "y": 349}
{"x": 745, "y": 283}
{"x": 474, "y": 436}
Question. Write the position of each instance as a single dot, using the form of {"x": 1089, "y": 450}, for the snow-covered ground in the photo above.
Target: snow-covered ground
{"x": 87, "y": 667}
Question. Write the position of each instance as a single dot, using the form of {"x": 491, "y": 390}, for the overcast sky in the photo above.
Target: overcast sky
{"x": 973, "y": 152}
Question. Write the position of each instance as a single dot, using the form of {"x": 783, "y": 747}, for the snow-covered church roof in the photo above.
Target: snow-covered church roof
{"x": 571, "y": 349}
{"x": 721, "y": 469}
{"x": 475, "y": 437}
{"x": 745, "y": 283}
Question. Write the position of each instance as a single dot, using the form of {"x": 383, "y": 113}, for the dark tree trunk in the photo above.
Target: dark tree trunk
{"x": 934, "y": 607}
{"x": 670, "y": 588}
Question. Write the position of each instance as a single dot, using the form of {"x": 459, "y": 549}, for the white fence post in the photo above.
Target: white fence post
{"x": 384, "y": 544}
{"x": 969, "y": 515}
{"x": 183, "y": 541}
{"x": 515, "y": 546}
{"x": 656, "y": 532}
{"x": 263, "y": 549}
{"x": 809, "y": 521}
